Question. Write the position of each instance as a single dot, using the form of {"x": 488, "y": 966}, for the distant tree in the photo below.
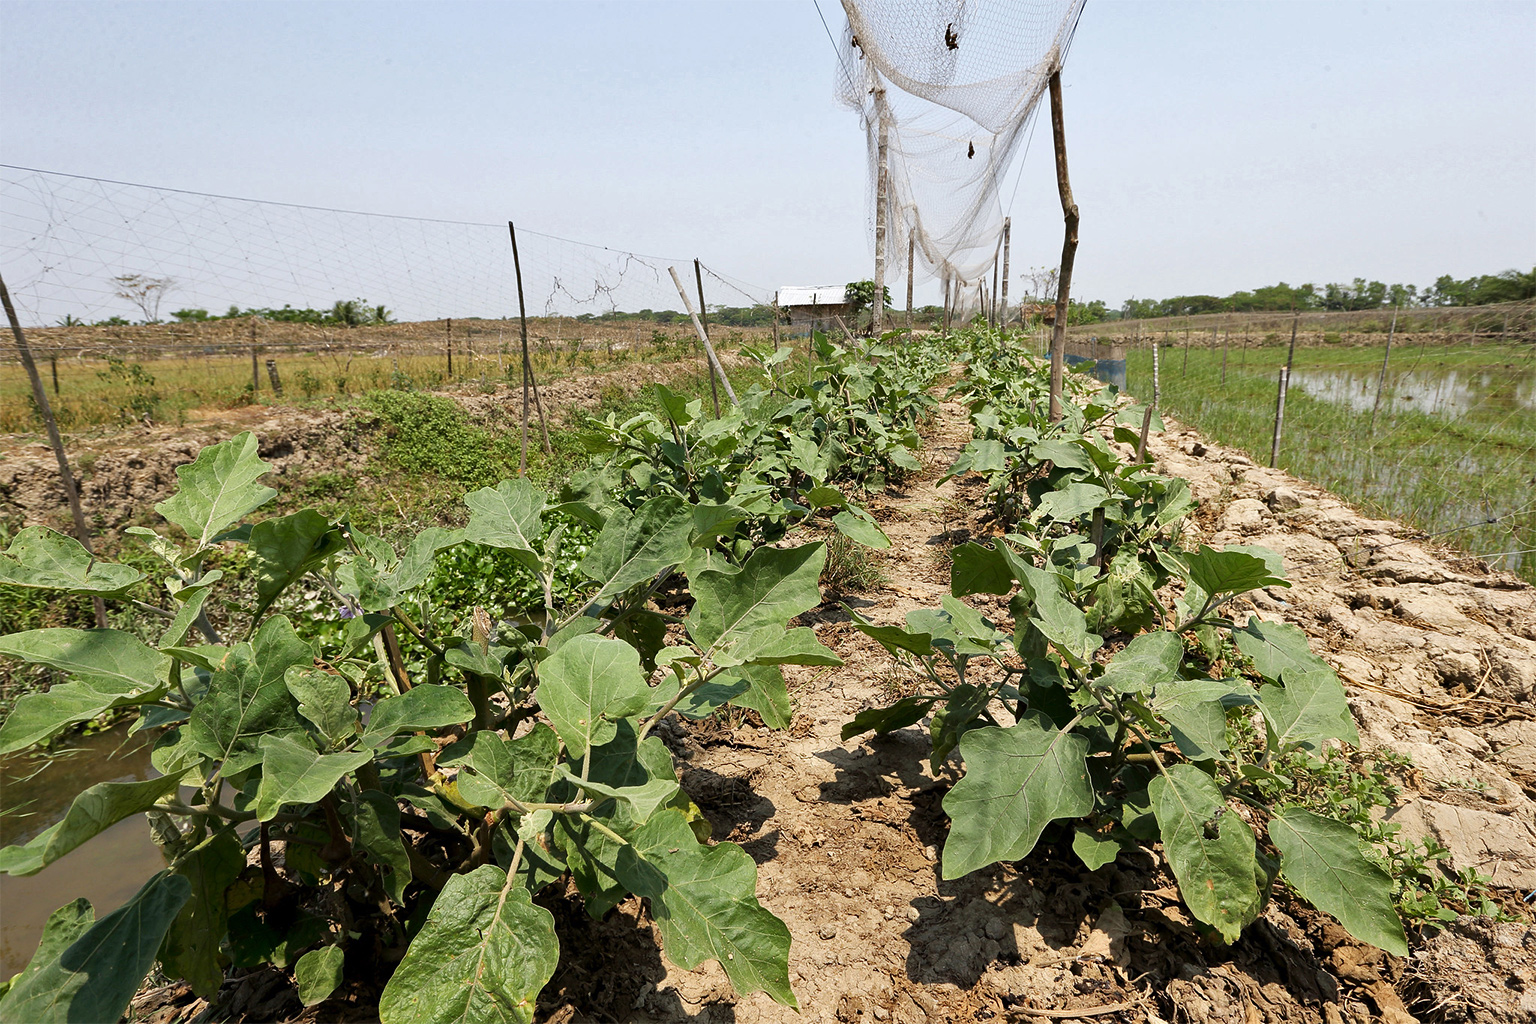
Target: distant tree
{"x": 143, "y": 291}
{"x": 382, "y": 315}
{"x": 191, "y": 316}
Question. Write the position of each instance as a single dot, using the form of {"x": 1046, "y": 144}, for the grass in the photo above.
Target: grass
{"x": 1446, "y": 472}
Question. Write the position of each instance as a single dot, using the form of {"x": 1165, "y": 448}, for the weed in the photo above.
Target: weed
{"x": 851, "y": 567}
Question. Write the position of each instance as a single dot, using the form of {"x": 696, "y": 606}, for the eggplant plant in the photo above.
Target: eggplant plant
{"x": 320, "y": 809}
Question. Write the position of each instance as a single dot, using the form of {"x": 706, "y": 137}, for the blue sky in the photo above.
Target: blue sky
{"x": 1213, "y": 146}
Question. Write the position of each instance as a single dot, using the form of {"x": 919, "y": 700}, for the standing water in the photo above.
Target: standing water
{"x": 107, "y": 870}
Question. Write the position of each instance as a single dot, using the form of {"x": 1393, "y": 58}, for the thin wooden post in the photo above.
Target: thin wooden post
{"x": 911, "y": 252}
{"x": 1157, "y": 386}
{"x": 1274, "y": 444}
{"x": 709, "y": 349}
{"x": 1007, "y": 224}
{"x": 877, "y": 318}
{"x": 1070, "y": 217}
{"x": 1382, "y": 380}
{"x": 522, "y": 317}
{"x": 1141, "y": 444}
{"x": 1290, "y": 356}
{"x": 449, "y": 337}
{"x": 698, "y": 275}
{"x": 66, "y": 475}
{"x": 810, "y": 339}
{"x": 255, "y": 372}
{"x": 277, "y": 383}
{"x": 53, "y": 364}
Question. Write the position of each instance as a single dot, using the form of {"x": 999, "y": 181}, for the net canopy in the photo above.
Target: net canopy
{"x": 955, "y": 84}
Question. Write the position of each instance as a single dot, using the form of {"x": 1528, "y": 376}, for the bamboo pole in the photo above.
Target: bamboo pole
{"x": 66, "y": 475}
{"x": 1157, "y": 386}
{"x": 698, "y": 275}
{"x": 1070, "y": 218}
{"x": 877, "y": 318}
{"x": 911, "y": 252}
{"x": 522, "y": 316}
{"x": 1274, "y": 444}
{"x": 1007, "y": 224}
{"x": 709, "y": 349}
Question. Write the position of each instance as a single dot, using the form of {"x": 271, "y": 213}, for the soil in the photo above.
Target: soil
{"x": 1439, "y": 657}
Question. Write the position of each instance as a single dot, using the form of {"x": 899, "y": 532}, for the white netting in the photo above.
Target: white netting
{"x": 64, "y": 239}
{"x": 957, "y": 83}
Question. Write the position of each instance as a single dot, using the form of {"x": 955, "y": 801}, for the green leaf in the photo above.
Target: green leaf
{"x": 62, "y": 928}
{"x": 48, "y": 560}
{"x": 482, "y": 956}
{"x": 91, "y": 812}
{"x": 1146, "y": 662}
{"x": 192, "y": 600}
{"x": 1070, "y": 502}
{"x": 1229, "y": 571}
{"x": 586, "y": 685}
{"x": 774, "y": 585}
{"x": 1017, "y": 780}
{"x": 218, "y": 489}
{"x": 497, "y": 770}
{"x": 1196, "y": 711}
{"x": 639, "y": 801}
{"x": 318, "y": 973}
{"x": 285, "y": 548}
{"x": 1062, "y": 454}
{"x": 766, "y": 693}
{"x": 1093, "y": 849}
{"x": 93, "y": 978}
{"x": 704, "y": 900}
{"x": 293, "y": 773}
{"x": 108, "y": 660}
{"x": 862, "y": 529}
{"x": 325, "y": 700}
{"x": 775, "y": 645}
{"x": 376, "y": 831}
{"x": 191, "y": 949}
{"x": 424, "y": 706}
{"x": 1307, "y": 711}
{"x": 979, "y": 570}
{"x": 1277, "y": 648}
{"x": 1322, "y": 858}
{"x": 1217, "y": 877}
{"x": 247, "y": 697}
{"x": 958, "y": 716}
{"x": 892, "y": 638}
{"x": 41, "y": 716}
{"x": 508, "y": 516}
{"x": 1058, "y": 619}
{"x": 635, "y": 548}
{"x": 906, "y": 711}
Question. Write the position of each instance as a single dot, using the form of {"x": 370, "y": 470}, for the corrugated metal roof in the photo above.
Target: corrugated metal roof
{"x": 809, "y": 295}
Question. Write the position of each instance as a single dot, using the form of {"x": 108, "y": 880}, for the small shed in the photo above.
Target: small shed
{"x": 812, "y": 307}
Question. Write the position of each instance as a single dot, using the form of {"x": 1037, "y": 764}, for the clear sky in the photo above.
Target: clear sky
{"x": 1213, "y": 146}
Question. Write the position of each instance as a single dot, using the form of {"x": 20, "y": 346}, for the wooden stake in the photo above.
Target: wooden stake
{"x": 53, "y": 363}
{"x": 714, "y": 390}
{"x": 1157, "y": 386}
{"x": 255, "y": 373}
{"x": 449, "y": 337}
{"x": 1274, "y": 444}
{"x": 277, "y": 384}
{"x": 522, "y": 316}
{"x": 1070, "y": 218}
{"x": 1146, "y": 425}
{"x": 709, "y": 349}
{"x": 66, "y": 476}
{"x": 1382, "y": 380}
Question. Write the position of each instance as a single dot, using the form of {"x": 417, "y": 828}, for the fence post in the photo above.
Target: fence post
{"x": 66, "y": 475}
{"x": 1382, "y": 380}
{"x": 277, "y": 384}
{"x": 1002, "y": 299}
{"x": 1157, "y": 386}
{"x": 709, "y": 349}
{"x": 1274, "y": 444}
{"x": 53, "y": 363}
{"x": 1070, "y": 218}
{"x": 911, "y": 250}
{"x": 714, "y": 389}
{"x": 449, "y": 337}
{"x": 255, "y": 371}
